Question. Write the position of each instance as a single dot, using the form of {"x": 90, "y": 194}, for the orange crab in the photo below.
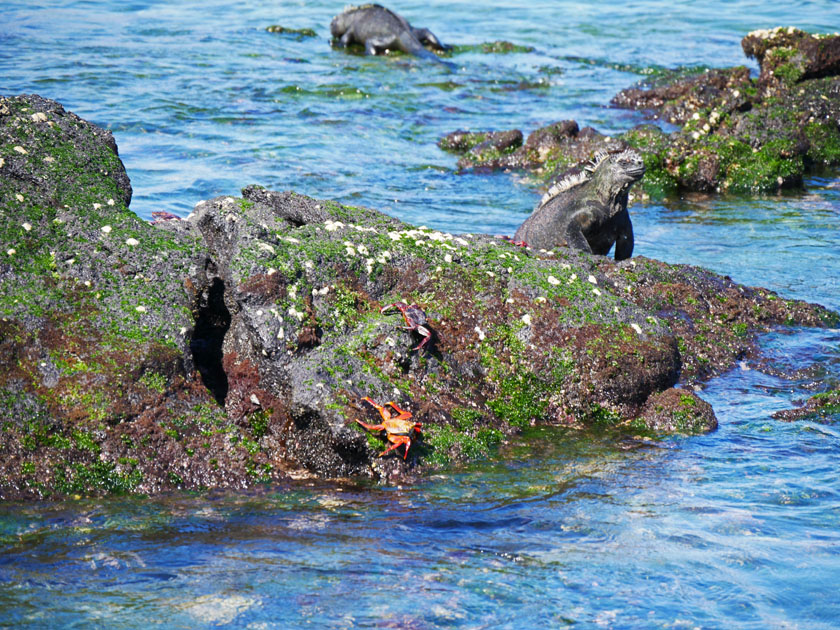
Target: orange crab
{"x": 398, "y": 428}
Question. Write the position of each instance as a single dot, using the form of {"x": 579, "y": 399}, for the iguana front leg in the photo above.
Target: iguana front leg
{"x": 624, "y": 236}
{"x": 345, "y": 40}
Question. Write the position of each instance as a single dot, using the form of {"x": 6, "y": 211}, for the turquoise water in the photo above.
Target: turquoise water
{"x": 737, "y": 529}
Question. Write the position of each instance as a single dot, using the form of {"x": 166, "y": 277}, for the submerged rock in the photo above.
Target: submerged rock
{"x": 498, "y": 47}
{"x": 237, "y": 345}
{"x": 736, "y": 133}
{"x": 298, "y": 33}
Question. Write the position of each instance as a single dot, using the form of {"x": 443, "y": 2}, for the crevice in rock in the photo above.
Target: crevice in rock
{"x": 211, "y": 324}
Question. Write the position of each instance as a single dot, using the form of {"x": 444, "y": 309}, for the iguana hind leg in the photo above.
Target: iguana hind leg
{"x": 374, "y": 46}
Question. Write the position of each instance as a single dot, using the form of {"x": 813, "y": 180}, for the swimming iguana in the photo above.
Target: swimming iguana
{"x": 587, "y": 209}
{"x": 379, "y": 29}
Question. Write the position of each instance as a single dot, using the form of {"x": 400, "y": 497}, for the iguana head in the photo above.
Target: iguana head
{"x": 613, "y": 173}
{"x": 608, "y": 174}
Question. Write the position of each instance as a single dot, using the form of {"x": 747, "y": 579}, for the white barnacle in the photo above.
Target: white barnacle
{"x": 369, "y": 265}
{"x": 637, "y": 328}
{"x": 271, "y": 271}
{"x": 106, "y": 229}
{"x": 280, "y": 333}
{"x": 363, "y": 250}
{"x": 27, "y": 227}
{"x": 394, "y": 236}
{"x": 3, "y": 162}
{"x": 592, "y": 279}
{"x": 183, "y": 331}
{"x": 540, "y": 299}
{"x": 480, "y": 333}
{"x": 596, "y": 291}
{"x": 695, "y": 135}
{"x": 11, "y": 251}
{"x": 572, "y": 278}
{"x": 461, "y": 241}
{"x": 265, "y": 247}
{"x": 695, "y": 116}
{"x": 20, "y": 149}
{"x": 509, "y": 301}
{"x": 526, "y": 318}
{"x": 290, "y": 239}
{"x": 132, "y": 242}
{"x": 553, "y": 280}
{"x": 18, "y": 196}
{"x": 140, "y": 308}
{"x": 96, "y": 206}
{"x": 491, "y": 274}
{"x": 39, "y": 117}
{"x": 110, "y": 202}
{"x": 448, "y": 258}
{"x": 350, "y": 250}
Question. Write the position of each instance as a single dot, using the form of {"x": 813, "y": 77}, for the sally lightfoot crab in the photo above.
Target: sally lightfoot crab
{"x": 398, "y": 428}
{"x": 415, "y": 319}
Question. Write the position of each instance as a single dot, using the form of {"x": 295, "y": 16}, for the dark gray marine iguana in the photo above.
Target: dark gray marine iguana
{"x": 379, "y": 29}
{"x": 587, "y": 209}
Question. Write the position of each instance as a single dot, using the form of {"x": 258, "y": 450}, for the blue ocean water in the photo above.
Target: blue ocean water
{"x": 737, "y": 529}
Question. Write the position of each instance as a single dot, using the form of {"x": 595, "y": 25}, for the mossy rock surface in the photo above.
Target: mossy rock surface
{"x": 238, "y": 345}
{"x": 735, "y": 134}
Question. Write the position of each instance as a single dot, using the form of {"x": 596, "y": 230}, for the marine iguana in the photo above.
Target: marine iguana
{"x": 378, "y": 29}
{"x": 587, "y": 209}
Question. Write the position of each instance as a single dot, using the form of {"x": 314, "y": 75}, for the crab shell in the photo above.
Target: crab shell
{"x": 395, "y": 426}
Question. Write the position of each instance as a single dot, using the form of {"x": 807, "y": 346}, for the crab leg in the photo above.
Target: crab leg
{"x": 398, "y": 439}
{"x": 372, "y": 427}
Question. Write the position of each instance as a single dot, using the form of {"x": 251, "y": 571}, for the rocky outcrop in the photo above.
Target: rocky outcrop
{"x": 736, "y": 133}
{"x": 823, "y": 407}
{"x": 237, "y": 345}
{"x": 789, "y": 55}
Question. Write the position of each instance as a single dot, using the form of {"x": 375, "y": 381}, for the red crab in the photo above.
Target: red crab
{"x": 398, "y": 429}
{"x": 415, "y": 319}
{"x": 513, "y": 242}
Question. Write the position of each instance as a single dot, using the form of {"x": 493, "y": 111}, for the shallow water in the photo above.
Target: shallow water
{"x": 737, "y": 529}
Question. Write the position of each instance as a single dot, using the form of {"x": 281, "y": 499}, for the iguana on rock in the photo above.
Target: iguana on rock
{"x": 587, "y": 209}
{"x": 379, "y": 29}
